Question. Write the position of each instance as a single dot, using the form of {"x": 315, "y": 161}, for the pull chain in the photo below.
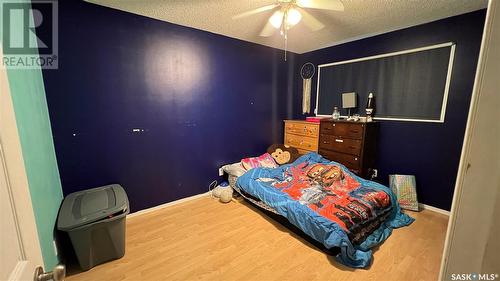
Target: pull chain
{"x": 286, "y": 42}
{"x": 284, "y": 30}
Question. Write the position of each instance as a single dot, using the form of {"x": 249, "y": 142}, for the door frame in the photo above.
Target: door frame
{"x": 17, "y": 185}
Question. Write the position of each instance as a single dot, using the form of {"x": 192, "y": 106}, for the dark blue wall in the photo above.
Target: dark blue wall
{"x": 431, "y": 151}
{"x": 202, "y": 100}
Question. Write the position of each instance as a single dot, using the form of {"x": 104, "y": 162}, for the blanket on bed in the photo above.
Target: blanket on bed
{"x": 330, "y": 204}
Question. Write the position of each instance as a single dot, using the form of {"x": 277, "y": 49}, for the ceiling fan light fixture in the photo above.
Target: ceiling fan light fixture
{"x": 303, "y": 3}
{"x": 276, "y": 19}
{"x": 288, "y": 13}
{"x": 293, "y": 17}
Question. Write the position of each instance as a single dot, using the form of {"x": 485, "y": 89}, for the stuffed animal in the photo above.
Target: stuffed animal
{"x": 283, "y": 154}
{"x": 223, "y": 191}
{"x": 226, "y": 195}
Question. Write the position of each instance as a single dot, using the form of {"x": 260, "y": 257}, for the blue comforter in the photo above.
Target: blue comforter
{"x": 330, "y": 204}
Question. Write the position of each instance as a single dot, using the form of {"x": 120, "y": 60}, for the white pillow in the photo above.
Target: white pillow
{"x": 235, "y": 169}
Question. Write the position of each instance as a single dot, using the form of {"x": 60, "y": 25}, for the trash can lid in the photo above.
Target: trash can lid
{"x": 92, "y": 205}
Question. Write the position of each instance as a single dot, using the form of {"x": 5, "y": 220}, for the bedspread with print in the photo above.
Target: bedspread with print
{"x": 330, "y": 204}
{"x": 337, "y": 196}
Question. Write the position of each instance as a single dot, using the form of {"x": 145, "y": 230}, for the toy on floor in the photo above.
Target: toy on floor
{"x": 222, "y": 191}
{"x": 226, "y": 195}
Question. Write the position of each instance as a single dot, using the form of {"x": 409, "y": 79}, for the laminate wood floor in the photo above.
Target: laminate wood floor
{"x": 203, "y": 239}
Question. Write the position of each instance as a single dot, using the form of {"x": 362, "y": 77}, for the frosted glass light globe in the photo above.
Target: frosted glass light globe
{"x": 276, "y": 19}
{"x": 293, "y": 17}
{"x": 303, "y": 3}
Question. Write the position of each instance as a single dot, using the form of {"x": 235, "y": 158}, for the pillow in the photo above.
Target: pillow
{"x": 265, "y": 160}
{"x": 235, "y": 169}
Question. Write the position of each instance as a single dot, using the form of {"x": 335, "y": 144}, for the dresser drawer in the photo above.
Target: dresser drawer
{"x": 339, "y": 144}
{"x": 302, "y": 128}
{"x": 346, "y": 130}
{"x": 303, "y": 151}
{"x": 301, "y": 142}
{"x": 350, "y": 161}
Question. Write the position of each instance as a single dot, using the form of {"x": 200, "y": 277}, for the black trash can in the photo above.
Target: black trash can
{"x": 95, "y": 222}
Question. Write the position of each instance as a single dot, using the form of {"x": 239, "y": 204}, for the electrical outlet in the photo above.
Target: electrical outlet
{"x": 221, "y": 172}
{"x": 375, "y": 173}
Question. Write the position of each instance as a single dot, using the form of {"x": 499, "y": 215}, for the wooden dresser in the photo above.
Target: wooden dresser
{"x": 302, "y": 135}
{"x": 353, "y": 144}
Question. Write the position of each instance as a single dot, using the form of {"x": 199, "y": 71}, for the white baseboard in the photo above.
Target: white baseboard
{"x": 176, "y": 202}
{"x": 433, "y": 209}
{"x": 162, "y": 206}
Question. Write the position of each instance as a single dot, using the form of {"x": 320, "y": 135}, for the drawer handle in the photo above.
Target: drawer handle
{"x": 354, "y": 131}
{"x": 325, "y": 142}
{"x": 356, "y": 158}
{"x": 339, "y": 140}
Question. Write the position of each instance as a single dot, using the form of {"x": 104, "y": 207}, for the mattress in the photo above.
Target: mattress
{"x": 330, "y": 204}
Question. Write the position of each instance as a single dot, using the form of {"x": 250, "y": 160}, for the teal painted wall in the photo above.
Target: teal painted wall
{"x": 32, "y": 118}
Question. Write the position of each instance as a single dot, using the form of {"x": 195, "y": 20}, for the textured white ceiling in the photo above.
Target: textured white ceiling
{"x": 361, "y": 18}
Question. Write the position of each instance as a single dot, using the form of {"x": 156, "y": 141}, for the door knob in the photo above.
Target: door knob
{"x": 57, "y": 274}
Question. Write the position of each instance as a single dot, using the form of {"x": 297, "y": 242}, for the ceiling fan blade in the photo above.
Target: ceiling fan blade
{"x": 311, "y": 21}
{"x": 334, "y": 5}
{"x": 255, "y": 11}
{"x": 268, "y": 30}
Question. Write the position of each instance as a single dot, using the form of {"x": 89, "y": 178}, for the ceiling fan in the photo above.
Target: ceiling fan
{"x": 288, "y": 13}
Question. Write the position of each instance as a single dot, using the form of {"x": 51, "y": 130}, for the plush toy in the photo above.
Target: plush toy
{"x": 283, "y": 154}
{"x": 226, "y": 195}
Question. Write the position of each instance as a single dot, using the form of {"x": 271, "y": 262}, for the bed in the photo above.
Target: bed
{"x": 329, "y": 203}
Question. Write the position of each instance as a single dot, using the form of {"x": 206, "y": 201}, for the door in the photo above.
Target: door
{"x": 472, "y": 246}
{"x": 19, "y": 244}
